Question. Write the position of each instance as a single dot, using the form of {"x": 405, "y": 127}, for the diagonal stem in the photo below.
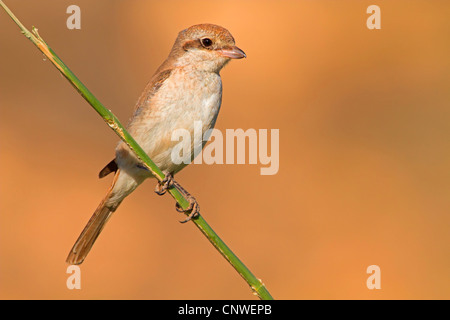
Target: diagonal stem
{"x": 255, "y": 284}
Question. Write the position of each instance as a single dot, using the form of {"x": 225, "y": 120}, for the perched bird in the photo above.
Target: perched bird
{"x": 187, "y": 87}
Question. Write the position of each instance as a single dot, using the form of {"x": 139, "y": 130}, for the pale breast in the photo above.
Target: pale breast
{"x": 185, "y": 98}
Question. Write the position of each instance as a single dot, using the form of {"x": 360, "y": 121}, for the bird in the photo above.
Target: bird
{"x": 186, "y": 88}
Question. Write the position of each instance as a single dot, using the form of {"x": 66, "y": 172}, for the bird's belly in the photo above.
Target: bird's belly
{"x": 177, "y": 113}
{"x": 187, "y": 122}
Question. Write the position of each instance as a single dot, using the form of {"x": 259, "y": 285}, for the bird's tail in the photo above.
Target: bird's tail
{"x": 93, "y": 228}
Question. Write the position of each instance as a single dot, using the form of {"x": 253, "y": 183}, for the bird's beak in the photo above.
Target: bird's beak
{"x": 232, "y": 53}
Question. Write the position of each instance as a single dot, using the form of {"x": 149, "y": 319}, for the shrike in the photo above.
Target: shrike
{"x": 186, "y": 88}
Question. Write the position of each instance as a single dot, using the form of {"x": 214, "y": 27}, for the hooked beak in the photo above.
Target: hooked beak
{"x": 232, "y": 53}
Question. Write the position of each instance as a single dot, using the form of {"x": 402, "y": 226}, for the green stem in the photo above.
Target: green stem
{"x": 255, "y": 284}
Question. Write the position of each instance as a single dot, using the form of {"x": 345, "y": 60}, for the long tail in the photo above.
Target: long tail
{"x": 93, "y": 228}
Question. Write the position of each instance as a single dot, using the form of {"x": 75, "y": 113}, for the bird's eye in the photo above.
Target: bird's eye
{"x": 206, "y": 42}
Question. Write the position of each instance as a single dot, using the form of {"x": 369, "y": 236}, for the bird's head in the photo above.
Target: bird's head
{"x": 205, "y": 47}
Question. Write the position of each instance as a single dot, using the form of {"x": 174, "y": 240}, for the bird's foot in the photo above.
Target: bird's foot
{"x": 167, "y": 183}
{"x": 193, "y": 210}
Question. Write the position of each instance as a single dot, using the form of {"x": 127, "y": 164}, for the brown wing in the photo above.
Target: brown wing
{"x": 110, "y": 167}
{"x": 151, "y": 88}
{"x": 149, "y": 91}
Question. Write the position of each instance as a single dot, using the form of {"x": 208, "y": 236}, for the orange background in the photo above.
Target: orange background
{"x": 364, "y": 152}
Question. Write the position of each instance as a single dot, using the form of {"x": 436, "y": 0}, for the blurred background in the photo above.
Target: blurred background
{"x": 364, "y": 174}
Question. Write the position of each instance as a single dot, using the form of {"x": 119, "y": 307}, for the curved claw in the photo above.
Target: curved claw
{"x": 193, "y": 208}
{"x": 167, "y": 183}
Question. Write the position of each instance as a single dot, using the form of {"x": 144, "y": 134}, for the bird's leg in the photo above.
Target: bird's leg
{"x": 194, "y": 207}
{"x": 167, "y": 183}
